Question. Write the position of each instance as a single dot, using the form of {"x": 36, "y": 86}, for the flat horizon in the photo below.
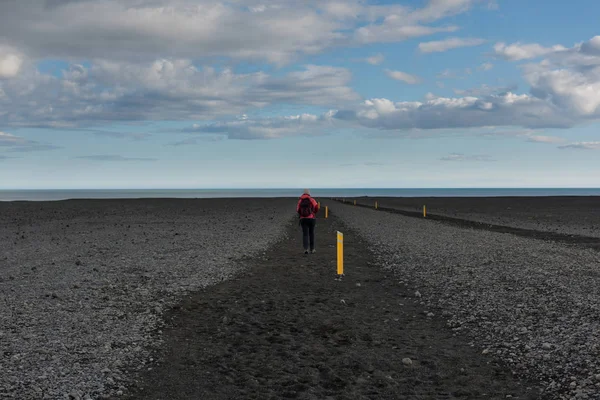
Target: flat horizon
{"x": 328, "y": 188}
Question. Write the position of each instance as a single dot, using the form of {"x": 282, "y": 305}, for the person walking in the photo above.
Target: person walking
{"x": 307, "y": 209}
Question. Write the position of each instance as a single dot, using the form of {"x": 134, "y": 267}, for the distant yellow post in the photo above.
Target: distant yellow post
{"x": 424, "y": 211}
{"x": 340, "y": 253}
{"x": 354, "y": 202}
{"x": 326, "y": 212}
{"x": 376, "y": 205}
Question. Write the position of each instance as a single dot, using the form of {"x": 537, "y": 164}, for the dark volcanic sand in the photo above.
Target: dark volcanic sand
{"x": 562, "y": 215}
{"x": 281, "y": 330}
{"x": 83, "y": 282}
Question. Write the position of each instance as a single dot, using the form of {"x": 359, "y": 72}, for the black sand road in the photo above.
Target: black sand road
{"x": 287, "y": 328}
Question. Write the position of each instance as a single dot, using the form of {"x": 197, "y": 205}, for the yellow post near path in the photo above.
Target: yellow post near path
{"x": 326, "y": 212}
{"x": 376, "y": 205}
{"x": 424, "y": 211}
{"x": 354, "y": 202}
{"x": 340, "y": 253}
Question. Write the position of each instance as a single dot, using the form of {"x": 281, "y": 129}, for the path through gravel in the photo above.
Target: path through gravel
{"x": 287, "y": 329}
{"x": 531, "y": 304}
{"x": 572, "y": 215}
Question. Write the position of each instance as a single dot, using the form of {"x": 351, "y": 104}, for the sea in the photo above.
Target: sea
{"x": 49, "y": 195}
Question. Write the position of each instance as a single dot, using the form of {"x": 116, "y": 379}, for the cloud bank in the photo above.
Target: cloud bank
{"x": 277, "y": 31}
{"x": 121, "y": 79}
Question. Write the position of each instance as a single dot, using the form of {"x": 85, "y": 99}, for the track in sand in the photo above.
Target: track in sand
{"x": 286, "y": 328}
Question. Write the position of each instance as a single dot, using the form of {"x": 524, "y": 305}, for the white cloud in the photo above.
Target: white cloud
{"x": 485, "y": 67}
{"x": 591, "y": 47}
{"x": 10, "y": 62}
{"x": 6, "y": 139}
{"x": 438, "y": 9}
{"x": 403, "y": 76}
{"x": 343, "y": 9}
{"x": 463, "y": 157}
{"x": 386, "y": 34}
{"x": 518, "y": 51}
{"x": 163, "y": 89}
{"x": 447, "y": 74}
{"x": 507, "y": 109}
{"x": 439, "y": 46}
{"x": 267, "y": 128}
{"x": 277, "y": 31}
{"x": 376, "y": 59}
{"x": 545, "y": 139}
{"x": 569, "y": 79}
{"x": 400, "y": 23}
{"x": 493, "y": 5}
{"x": 485, "y": 90}
{"x": 22, "y": 145}
{"x": 581, "y": 146}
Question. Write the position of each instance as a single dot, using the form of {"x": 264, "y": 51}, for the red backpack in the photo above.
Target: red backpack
{"x": 306, "y": 207}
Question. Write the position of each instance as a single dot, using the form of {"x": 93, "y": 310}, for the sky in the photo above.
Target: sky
{"x": 289, "y": 94}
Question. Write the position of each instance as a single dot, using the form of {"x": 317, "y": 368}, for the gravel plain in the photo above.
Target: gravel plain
{"x": 84, "y": 283}
{"x": 530, "y": 304}
{"x": 573, "y": 215}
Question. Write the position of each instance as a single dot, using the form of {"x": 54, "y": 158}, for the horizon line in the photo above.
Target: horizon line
{"x": 319, "y": 188}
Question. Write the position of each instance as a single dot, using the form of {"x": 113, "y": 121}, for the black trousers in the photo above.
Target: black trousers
{"x": 308, "y": 232}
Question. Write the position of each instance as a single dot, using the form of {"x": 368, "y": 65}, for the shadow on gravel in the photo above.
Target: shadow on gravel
{"x": 586, "y": 242}
{"x": 287, "y": 328}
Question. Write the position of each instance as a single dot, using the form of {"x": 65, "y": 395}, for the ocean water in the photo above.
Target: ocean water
{"x": 45, "y": 195}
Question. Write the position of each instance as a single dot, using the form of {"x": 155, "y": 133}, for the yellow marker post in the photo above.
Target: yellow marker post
{"x": 424, "y": 211}
{"x": 340, "y": 253}
{"x": 326, "y": 212}
{"x": 376, "y": 205}
{"x": 354, "y": 202}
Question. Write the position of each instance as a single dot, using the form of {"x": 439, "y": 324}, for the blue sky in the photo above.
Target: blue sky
{"x": 211, "y": 94}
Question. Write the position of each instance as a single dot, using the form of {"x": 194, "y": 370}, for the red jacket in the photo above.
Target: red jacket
{"x": 314, "y": 204}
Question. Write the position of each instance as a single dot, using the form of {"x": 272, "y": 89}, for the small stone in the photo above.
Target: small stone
{"x": 106, "y": 371}
{"x": 597, "y": 377}
{"x": 407, "y": 361}
{"x": 119, "y": 393}
{"x": 485, "y": 351}
{"x": 573, "y": 384}
{"x": 418, "y": 294}
{"x": 358, "y": 284}
{"x": 430, "y": 314}
{"x": 74, "y": 395}
{"x": 546, "y": 346}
